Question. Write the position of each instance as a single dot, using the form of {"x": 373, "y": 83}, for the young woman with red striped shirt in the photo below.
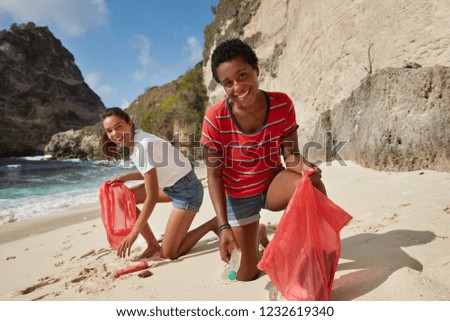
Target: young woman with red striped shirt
{"x": 244, "y": 137}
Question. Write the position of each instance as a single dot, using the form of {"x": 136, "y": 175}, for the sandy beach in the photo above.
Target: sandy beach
{"x": 397, "y": 247}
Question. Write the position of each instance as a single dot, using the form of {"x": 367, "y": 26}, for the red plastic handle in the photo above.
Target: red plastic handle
{"x": 131, "y": 269}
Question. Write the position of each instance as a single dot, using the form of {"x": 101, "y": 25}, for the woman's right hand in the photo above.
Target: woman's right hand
{"x": 227, "y": 243}
{"x": 116, "y": 179}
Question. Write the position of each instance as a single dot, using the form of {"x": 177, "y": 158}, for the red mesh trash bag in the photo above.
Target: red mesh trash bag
{"x": 302, "y": 257}
{"x": 118, "y": 211}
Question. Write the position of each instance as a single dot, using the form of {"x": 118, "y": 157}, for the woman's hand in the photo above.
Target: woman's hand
{"x": 117, "y": 179}
{"x": 316, "y": 178}
{"x": 308, "y": 167}
{"x": 227, "y": 243}
{"x": 125, "y": 245}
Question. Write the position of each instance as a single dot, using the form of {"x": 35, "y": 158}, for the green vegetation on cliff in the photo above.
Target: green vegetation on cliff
{"x": 179, "y": 109}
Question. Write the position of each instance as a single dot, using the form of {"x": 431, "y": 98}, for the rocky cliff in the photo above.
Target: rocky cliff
{"x": 42, "y": 91}
{"x": 173, "y": 111}
{"x": 320, "y": 51}
{"x": 397, "y": 119}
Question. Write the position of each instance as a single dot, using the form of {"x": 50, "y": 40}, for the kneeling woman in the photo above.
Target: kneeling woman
{"x": 168, "y": 177}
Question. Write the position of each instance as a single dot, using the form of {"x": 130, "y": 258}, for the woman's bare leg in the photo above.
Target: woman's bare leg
{"x": 177, "y": 240}
{"x": 247, "y": 239}
{"x": 153, "y": 246}
{"x": 281, "y": 189}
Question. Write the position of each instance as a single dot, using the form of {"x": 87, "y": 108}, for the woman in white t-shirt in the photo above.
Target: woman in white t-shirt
{"x": 168, "y": 177}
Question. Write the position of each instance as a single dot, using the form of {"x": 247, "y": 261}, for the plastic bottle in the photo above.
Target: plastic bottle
{"x": 235, "y": 262}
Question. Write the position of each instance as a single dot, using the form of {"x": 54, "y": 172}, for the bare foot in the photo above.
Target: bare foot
{"x": 147, "y": 254}
{"x": 262, "y": 236}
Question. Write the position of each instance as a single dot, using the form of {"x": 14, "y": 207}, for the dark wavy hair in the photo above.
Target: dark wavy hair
{"x": 110, "y": 151}
{"x": 229, "y": 50}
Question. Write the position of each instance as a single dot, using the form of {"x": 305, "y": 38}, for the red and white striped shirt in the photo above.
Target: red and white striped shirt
{"x": 250, "y": 159}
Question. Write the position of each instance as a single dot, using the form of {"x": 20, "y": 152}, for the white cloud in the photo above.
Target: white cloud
{"x": 104, "y": 89}
{"x": 139, "y": 75}
{"x": 142, "y": 42}
{"x": 93, "y": 80}
{"x": 73, "y": 18}
{"x": 125, "y": 104}
{"x": 195, "y": 49}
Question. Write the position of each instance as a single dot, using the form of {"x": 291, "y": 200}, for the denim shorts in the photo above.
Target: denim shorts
{"x": 243, "y": 211}
{"x": 186, "y": 193}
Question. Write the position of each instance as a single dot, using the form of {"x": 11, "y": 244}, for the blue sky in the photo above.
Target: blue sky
{"x": 122, "y": 47}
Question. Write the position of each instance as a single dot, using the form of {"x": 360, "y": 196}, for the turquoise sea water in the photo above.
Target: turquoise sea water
{"x": 36, "y": 186}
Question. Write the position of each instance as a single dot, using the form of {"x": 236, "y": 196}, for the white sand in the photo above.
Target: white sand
{"x": 396, "y": 248}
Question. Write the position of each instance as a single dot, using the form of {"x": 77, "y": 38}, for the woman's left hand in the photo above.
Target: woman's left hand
{"x": 125, "y": 245}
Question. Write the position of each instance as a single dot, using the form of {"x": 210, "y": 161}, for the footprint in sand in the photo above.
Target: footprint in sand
{"x": 404, "y": 205}
{"x": 90, "y": 253}
{"x": 42, "y": 282}
{"x": 68, "y": 246}
{"x": 375, "y": 227}
{"x": 83, "y": 275}
{"x": 85, "y": 231}
{"x": 103, "y": 252}
{"x": 59, "y": 263}
{"x": 53, "y": 295}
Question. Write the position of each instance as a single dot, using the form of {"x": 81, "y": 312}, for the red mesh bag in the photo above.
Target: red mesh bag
{"x": 302, "y": 257}
{"x": 118, "y": 206}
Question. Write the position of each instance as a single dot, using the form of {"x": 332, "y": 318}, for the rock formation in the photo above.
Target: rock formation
{"x": 397, "y": 119}
{"x": 42, "y": 91}
{"x": 319, "y": 51}
{"x": 174, "y": 111}
{"x": 82, "y": 143}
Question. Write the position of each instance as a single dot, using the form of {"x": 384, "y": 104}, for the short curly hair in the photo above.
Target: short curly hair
{"x": 229, "y": 50}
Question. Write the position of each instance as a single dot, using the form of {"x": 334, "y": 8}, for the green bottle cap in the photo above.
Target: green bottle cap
{"x": 232, "y": 275}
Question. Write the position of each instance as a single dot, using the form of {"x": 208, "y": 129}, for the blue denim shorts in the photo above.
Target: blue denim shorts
{"x": 186, "y": 193}
{"x": 243, "y": 211}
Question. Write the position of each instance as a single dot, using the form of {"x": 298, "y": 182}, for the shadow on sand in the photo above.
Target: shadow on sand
{"x": 375, "y": 257}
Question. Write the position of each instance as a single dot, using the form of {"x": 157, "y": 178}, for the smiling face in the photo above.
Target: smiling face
{"x": 240, "y": 81}
{"x": 119, "y": 131}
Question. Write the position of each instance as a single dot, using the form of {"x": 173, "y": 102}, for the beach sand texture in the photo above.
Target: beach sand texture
{"x": 396, "y": 247}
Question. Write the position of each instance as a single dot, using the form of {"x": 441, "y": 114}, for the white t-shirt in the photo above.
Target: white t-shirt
{"x": 150, "y": 151}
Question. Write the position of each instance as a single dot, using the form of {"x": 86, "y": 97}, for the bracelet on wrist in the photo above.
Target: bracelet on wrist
{"x": 223, "y": 227}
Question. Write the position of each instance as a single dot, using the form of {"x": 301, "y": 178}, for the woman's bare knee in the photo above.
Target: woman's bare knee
{"x": 281, "y": 190}
{"x": 169, "y": 254}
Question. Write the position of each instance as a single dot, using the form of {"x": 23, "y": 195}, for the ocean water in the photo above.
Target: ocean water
{"x": 37, "y": 186}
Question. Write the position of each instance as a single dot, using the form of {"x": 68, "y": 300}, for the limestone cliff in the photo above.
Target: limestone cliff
{"x": 397, "y": 119}
{"x": 319, "y": 51}
{"x": 42, "y": 91}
